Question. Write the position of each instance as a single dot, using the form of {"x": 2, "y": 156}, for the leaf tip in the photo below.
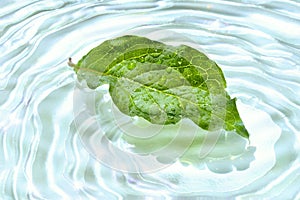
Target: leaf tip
{"x": 241, "y": 130}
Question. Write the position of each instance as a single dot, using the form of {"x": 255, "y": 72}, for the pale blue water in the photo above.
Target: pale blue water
{"x": 48, "y": 151}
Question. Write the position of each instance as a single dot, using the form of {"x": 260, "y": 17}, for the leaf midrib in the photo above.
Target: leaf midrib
{"x": 187, "y": 100}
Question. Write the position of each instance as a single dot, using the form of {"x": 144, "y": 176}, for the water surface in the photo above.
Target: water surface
{"x": 42, "y": 156}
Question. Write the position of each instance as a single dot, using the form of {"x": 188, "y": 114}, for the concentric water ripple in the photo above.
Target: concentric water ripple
{"x": 42, "y": 155}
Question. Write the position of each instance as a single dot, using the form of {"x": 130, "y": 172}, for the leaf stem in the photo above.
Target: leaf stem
{"x": 71, "y": 64}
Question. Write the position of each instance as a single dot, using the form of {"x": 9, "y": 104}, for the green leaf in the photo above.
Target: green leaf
{"x": 162, "y": 83}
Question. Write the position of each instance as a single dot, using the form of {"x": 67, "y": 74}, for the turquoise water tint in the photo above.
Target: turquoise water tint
{"x": 60, "y": 140}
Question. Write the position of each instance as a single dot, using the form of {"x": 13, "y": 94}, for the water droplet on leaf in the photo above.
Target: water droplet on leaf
{"x": 131, "y": 65}
{"x": 169, "y": 69}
